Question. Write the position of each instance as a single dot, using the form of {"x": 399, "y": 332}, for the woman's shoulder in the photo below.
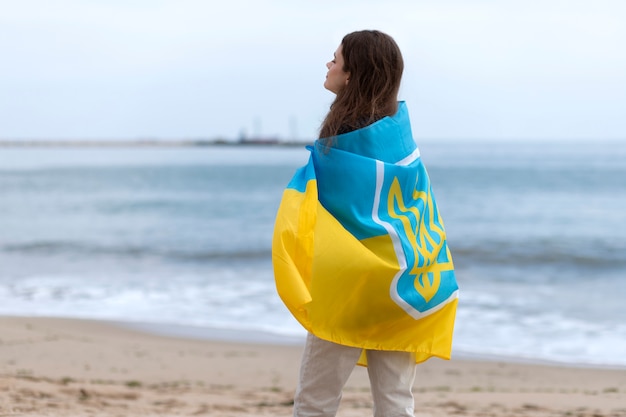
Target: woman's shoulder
{"x": 360, "y": 123}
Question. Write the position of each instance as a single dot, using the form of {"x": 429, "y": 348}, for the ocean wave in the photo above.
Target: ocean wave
{"x": 61, "y": 248}
{"x": 513, "y": 253}
{"x": 590, "y": 254}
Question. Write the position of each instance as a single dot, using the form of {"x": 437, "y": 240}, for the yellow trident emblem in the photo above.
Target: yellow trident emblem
{"x": 425, "y": 247}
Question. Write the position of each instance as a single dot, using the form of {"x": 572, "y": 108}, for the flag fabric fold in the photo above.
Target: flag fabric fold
{"x": 359, "y": 250}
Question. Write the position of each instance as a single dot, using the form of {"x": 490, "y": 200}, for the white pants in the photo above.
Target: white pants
{"x": 326, "y": 367}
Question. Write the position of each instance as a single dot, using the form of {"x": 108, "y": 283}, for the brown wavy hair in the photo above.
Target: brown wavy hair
{"x": 375, "y": 65}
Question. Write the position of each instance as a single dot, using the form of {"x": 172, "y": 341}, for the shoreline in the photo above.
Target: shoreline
{"x": 74, "y": 367}
{"x": 269, "y": 338}
{"x": 261, "y": 337}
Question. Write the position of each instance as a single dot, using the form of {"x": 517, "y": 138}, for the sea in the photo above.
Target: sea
{"x": 177, "y": 240}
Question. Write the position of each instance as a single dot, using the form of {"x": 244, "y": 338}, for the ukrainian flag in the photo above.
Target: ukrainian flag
{"x": 359, "y": 250}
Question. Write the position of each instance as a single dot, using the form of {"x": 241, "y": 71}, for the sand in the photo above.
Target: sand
{"x": 62, "y": 367}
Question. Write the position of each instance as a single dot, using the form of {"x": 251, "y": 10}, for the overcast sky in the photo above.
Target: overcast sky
{"x": 176, "y": 69}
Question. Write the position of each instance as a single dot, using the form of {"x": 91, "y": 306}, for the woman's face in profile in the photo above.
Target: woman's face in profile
{"x": 336, "y": 77}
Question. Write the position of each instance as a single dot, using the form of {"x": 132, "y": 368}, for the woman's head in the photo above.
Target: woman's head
{"x": 367, "y": 83}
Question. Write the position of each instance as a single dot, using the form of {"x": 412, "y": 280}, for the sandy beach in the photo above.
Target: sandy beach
{"x": 62, "y": 367}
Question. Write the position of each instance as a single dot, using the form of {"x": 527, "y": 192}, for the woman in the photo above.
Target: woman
{"x": 359, "y": 251}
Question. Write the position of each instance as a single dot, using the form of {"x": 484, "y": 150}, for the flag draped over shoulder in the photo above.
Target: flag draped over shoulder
{"x": 359, "y": 250}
